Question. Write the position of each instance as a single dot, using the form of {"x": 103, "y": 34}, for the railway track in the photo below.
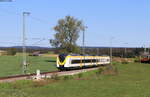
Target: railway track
{"x": 43, "y": 75}
{"x": 22, "y": 77}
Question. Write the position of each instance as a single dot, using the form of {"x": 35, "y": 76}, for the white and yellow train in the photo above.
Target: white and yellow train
{"x": 65, "y": 61}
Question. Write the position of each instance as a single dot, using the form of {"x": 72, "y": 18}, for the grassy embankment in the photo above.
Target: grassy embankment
{"x": 12, "y": 65}
{"x": 132, "y": 80}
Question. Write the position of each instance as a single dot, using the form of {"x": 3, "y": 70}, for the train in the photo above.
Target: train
{"x": 70, "y": 61}
{"x": 145, "y": 59}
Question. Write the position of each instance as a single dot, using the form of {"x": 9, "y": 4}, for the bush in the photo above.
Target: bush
{"x": 11, "y": 51}
{"x": 66, "y": 77}
{"x": 55, "y": 77}
{"x": 99, "y": 71}
{"x": 137, "y": 59}
{"x": 110, "y": 70}
{"x": 124, "y": 62}
{"x": 80, "y": 75}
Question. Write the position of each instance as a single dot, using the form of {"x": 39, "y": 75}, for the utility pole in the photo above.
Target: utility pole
{"x": 111, "y": 49}
{"x": 125, "y": 50}
{"x": 149, "y": 50}
{"x": 144, "y": 49}
{"x": 24, "y": 66}
{"x": 97, "y": 51}
{"x": 83, "y": 41}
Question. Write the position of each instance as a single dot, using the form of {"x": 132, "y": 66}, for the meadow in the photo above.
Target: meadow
{"x": 12, "y": 65}
{"x": 131, "y": 80}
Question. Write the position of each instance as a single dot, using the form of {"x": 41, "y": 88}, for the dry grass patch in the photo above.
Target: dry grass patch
{"x": 43, "y": 82}
{"x": 110, "y": 70}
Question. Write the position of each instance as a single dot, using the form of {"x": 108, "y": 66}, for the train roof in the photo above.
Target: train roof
{"x": 80, "y": 55}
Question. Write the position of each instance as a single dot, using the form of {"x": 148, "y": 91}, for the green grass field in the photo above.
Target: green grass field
{"x": 132, "y": 80}
{"x": 12, "y": 65}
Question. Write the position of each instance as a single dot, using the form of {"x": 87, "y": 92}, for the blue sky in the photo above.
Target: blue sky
{"x": 127, "y": 21}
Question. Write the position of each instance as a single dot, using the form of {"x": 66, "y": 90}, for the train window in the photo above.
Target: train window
{"x": 103, "y": 60}
{"x": 75, "y": 61}
{"x": 94, "y": 60}
{"x": 79, "y": 61}
{"x": 86, "y": 61}
{"x": 108, "y": 60}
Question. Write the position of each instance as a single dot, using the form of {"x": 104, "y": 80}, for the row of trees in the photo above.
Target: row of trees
{"x": 118, "y": 52}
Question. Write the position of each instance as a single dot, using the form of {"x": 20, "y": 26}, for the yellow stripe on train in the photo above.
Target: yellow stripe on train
{"x": 62, "y": 63}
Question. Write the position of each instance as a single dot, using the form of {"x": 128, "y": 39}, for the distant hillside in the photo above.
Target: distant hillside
{"x": 39, "y": 47}
{"x": 117, "y": 51}
{"x": 31, "y": 47}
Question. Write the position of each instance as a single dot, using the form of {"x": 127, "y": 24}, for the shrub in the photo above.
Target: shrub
{"x": 11, "y": 51}
{"x": 110, "y": 70}
{"x": 66, "y": 77}
{"x": 99, "y": 71}
{"x": 55, "y": 77}
{"x": 80, "y": 75}
{"x": 137, "y": 59}
{"x": 124, "y": 62}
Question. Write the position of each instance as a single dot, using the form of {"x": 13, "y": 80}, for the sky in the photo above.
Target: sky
{"x": 124, "y": 23}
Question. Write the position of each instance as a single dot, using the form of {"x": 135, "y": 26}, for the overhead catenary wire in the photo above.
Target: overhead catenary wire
{"x": 15, "y": 13}
{"x": 40, "y": 20}
{"x": 35, "y": 18}
{"x": 10, "y": 42}
{"x": 10, "y": 12}
{"x": 38, "y": 42}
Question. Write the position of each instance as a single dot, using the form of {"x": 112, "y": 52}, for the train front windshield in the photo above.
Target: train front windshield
{"x": 62, "y": 57}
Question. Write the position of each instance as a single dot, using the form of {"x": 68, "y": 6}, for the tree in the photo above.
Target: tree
{"x": 11, "y": 51}
{"x": 67, "y": 33}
